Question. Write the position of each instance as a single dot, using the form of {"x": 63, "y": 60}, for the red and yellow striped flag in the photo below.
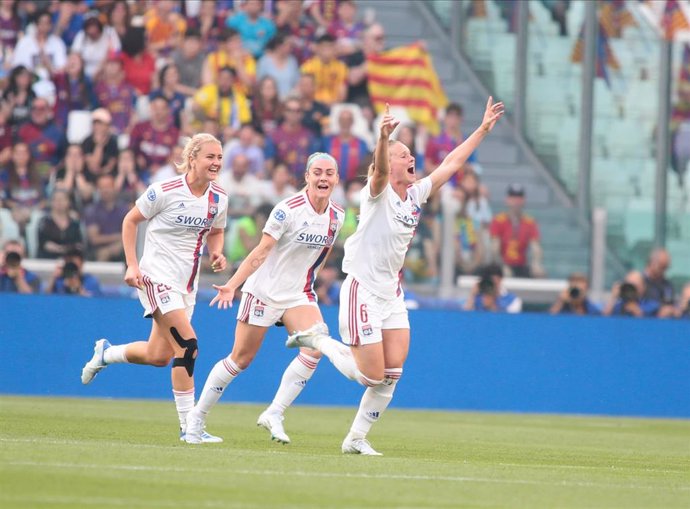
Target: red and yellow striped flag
{"x": 405, "y": 76}
{"x": 673, "y": 19}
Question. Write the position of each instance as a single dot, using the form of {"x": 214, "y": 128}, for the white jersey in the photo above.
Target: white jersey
{"x": 179, "y": 223}
{"x": 375, "y": 253}
{"x": 304, "y": 239}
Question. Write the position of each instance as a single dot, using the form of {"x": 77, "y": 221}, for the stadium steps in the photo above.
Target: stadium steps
{"x": 503, "y": 158}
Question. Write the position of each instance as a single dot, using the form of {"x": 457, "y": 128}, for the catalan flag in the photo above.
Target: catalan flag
{"x": 405, "y": 76}
{"x": 673, "y": 19}
{"x": 604, "y": 60}
{"x": 615, "y": 16}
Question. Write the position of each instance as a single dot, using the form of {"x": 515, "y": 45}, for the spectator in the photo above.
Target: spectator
{"x": 164, "y": 27}
{"x": 241, "y": 187}
{"x": 291, "y": 20}
{"x": 189, "y": 60}
{"x": 330, "y": 73}
{"x": 231, "y": 54}
{"x": 128, "y": 180}
{"x": 469, "y": 248}
{"x": 267, "y": 110}
{"x": 489, "y": 294}
{"x": 657, "y": 287}
{"x": 208, "y": 24}
{"x": 138, "y": 63}
{"x": 94, "y": 43}
{"x": 153, "y": 140}
{"x": 627, "y": 298}
{"x": 407, "y": 135}
{"x": 39, "y": 50}
{"x": 116, "y": 95}
{"x": 74, "y": 177}
{"x": 373, "y": 40}
{"x": 5, "y": 135}
{"x": 247, "y": 144}
{"x": 348, "y": 150}
{"x": 248, "y": 231}
{"x": 256, "y": 30}
{"x": 119, "y": 18}
{"x": 421, "y": 262}
{"x": 100, "y": 147}
{"x": 574, "y": 299}
{"x": 169, "y": 80}
{"x": 68, "y": 20}
{"x": 73, "y": 90}
{"x": 683, "y": 310}
{"x": 476, "y": 210}
{"x": 438, "y": 147}
{"x": 278, "y": 187}
{"x": 315, "y": 112}
{"x": 346, "y": 29}
{"x": 222, "y": 102}
{"x": 19, "y": 95}
{"x": 23, "y": 189}
{"x": 59, "y": 232}
{"x": 169, "y": 170}
{"x": 13, "y": 277}
{"x": 324, "y": 12}
{"x": 512, "y": 234}
{"x": 291, "y": 143}
{"x": 46, "y": 140}
{"x": 10, "y": 30}
{"x": 353, "y": 190}
{"x": 69, "y": 277}
{"x": 103, "y": 221}
{"x": 327, "y": 285}
{"x": 279, "y": 63}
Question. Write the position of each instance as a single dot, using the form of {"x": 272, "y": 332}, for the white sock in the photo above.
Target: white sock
{"x": 184, "y": 402}
{"x": 298, "y": 372}
{"x": 341, "y": 357}
{"x": 374, "y": 403}
{"x": 115, "y": 354}
{"x": 218, "y": 379}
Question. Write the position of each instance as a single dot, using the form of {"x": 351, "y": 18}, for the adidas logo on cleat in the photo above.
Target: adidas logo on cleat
{"x": 219, "y": 390}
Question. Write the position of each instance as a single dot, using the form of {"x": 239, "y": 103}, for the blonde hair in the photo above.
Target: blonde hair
{"x": 370, "y": 170}
{"x": 191, "y": 149}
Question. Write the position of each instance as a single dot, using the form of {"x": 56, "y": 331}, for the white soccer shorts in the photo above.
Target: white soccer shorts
{"x": 254, "y": 311}
{"x": 161, "y": 296}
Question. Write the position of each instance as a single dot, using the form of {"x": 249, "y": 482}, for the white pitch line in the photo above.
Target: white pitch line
{"x": 301, "y": 473}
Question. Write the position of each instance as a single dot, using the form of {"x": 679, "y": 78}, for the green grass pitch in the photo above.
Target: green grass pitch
{"x": 74, "y": 453}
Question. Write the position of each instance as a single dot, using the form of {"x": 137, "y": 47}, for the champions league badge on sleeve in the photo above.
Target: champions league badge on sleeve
{"x": 279, "y": 215}
{"x": 151, "y": 194}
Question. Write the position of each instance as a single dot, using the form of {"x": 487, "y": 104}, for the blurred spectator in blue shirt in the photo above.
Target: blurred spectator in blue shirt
{"x": 13, "y": 277}
{"x": 628, "y": 298}
{"x": 256, "y": 30}
{"x": 69, "y": 278}
{"x": 574, "y": 299}
{"x": 489, "y": 294}
{"x": 657, "y": 287}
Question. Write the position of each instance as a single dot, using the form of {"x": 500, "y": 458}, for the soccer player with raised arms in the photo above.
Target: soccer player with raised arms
{"x": 184, "y": 214}
{"x": 278, "y": 277}
{"x": 373, "y": 318}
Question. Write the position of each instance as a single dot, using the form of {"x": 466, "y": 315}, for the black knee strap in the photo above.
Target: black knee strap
{"x": 190, "y": 352}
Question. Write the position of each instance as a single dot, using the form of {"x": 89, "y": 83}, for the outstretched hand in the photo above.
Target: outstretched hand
{"x": 224, "y": 296}
{"x": 388, "y": 123}
{"x": 492, "y": 113}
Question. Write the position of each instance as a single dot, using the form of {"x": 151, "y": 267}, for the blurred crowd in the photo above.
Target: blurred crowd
{"x": 97, "y": 97}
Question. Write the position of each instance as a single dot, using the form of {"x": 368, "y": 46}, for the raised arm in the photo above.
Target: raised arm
{"x": 454, "y": 161}
{"x": 249, "y": 265}
{"x": 381, "y": 166}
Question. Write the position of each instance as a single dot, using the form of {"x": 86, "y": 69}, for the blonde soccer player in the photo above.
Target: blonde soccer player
{"x": 278, "y": 277}
{"x": 184, "y": 214}
{"x": 373, "y": 319}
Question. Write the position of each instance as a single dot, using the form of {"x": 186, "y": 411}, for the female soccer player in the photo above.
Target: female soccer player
{"x": 373, "y": 319}
{"x": 184, "y": 213}
{"x": 279, "y": 275}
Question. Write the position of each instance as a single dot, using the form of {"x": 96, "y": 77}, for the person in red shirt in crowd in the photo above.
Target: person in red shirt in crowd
{"x": 512, "y": 234}
{"x": 137, "y": 61}
{"x": 346, "y": 29}
{"x": 153, "y": 140}
{"x": 450, "y": 137}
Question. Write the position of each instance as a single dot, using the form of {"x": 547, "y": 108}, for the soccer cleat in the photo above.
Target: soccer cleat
{"x": 97, "y": 363}
{"x": 274, "y": 424}
{"x": 206, "y": 438}
{"x": 308, "y": 338}
{"x": 358, "y": 446}
{"x": 196, "y": 433}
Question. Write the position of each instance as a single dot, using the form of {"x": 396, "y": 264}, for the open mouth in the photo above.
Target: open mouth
{"x": 213, "y": 170}
{"x": 322, "y": 187}
{"x": 410, "y": 169}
